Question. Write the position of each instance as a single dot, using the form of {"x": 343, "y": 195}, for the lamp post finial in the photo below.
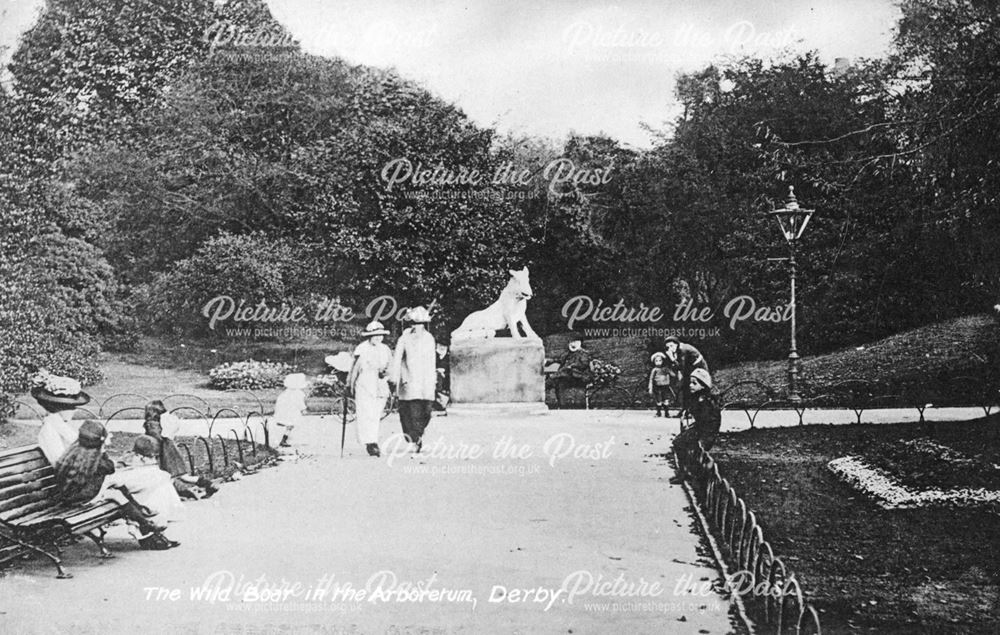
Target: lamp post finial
{"x": 792, "y": 202}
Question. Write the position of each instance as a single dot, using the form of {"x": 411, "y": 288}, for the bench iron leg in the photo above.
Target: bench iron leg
{"x": 62, "y": 573}
{"x": 97, "y": 536}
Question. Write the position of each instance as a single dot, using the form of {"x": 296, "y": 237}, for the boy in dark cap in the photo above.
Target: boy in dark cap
{"x": 707, "y": 419}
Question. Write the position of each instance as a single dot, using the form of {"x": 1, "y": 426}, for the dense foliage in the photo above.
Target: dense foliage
{"x": 145, "y": 170}
{"x": 291, "y": 150}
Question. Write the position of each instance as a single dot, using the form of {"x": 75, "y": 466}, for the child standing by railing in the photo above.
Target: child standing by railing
{"x": 660, "y": 380}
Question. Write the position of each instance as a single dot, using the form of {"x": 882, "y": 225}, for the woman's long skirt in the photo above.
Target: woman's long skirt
{"x": 368, "y": 410}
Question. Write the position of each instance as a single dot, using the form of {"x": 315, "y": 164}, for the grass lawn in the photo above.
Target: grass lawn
{"x": 924, "y": 361}
{"x": 865, "y": 568}
{"x": 161, "y": 368}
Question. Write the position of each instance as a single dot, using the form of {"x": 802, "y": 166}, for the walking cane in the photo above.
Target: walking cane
{"x": 343, "y": 422}
{"x": 342, "y": 363}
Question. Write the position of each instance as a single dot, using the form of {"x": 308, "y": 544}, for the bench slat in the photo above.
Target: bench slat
{"x": 24, "y": 449}
{"x": 10, "y": 494}
{"x": 97, "y": 518}
{"x": 32, "y": 512}
{"x": 101, "y": 508}
{"x": 73, "y": 513}
{"x": 22, "y": 457}
{"x": 15, "y": 516}
{"x": 40, "y": 478}
{"x": 29, "y": 495}
{"x": 26, "y": 466}
{"x": 19, "y": 450}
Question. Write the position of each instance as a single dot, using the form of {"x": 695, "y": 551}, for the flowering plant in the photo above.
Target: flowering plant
{"x": 56, "y": 384}
{"x": 603, "y": 373}
{"x": 249, "y": 375}
{"x": 889, "y": 493}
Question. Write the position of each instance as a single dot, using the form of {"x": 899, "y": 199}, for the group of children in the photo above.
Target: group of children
{"x": 680, "y": 374}
{"x": 147, "y": 482}
{"x": 672, "y": 369}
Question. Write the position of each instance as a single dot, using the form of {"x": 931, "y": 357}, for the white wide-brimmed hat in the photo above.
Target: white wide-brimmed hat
{"x": 701, "y": 376}
{"x": 57, "y": 390}
{"x": 418, "y": 315}
{"x": 296, "y": 381}
{"x": 657, "y": 355}
{"x": 341, "y": 362}
{"x": 374, "y": 328}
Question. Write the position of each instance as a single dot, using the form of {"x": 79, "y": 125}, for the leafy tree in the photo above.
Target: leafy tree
{"x": 294, "y": 147}
{"x": 86, "y": 65}
{"x": 948, "y": 70}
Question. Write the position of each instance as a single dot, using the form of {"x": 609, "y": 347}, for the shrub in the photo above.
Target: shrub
{"x": 24, "y": 349}
{"x": 249, "y": 375}
{"x": 57, "y": 301}
{"x": 248, "y": 268}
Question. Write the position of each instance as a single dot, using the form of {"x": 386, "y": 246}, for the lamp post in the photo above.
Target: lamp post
{"x": 792, "y": 220}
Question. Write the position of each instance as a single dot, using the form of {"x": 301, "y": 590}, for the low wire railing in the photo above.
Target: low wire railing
{"x": 862, "y": 395}
{"x": 210, "y": 449}
{"x": 771, "y": 592}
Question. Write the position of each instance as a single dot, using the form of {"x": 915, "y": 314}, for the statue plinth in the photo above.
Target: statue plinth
{"x": 500, "y": 370}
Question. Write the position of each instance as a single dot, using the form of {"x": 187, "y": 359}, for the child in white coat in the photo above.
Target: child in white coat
{"x": 290, "y": 406}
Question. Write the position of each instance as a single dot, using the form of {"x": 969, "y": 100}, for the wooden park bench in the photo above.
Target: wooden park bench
{"x": 33, "y": 521}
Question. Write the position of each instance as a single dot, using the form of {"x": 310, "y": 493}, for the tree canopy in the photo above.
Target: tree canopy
{"x": 157, "y": 153}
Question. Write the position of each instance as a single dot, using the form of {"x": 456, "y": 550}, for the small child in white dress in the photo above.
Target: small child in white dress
{"x": 290, "y": 406}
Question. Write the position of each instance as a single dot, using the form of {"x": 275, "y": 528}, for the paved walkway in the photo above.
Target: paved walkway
{"x": 562, "y": 523}
{"x": 736, "y": 420}
{"x": 732, "y": 420}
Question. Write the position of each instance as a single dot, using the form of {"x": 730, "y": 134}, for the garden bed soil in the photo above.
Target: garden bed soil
{"x": 864, "y": 568}
{"x": 922, "y": 464}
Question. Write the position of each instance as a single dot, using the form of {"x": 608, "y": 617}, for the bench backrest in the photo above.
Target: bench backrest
{"x": 27, "y": 481}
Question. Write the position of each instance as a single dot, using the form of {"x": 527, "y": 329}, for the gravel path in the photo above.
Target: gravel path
{"x": 574, "y": 529}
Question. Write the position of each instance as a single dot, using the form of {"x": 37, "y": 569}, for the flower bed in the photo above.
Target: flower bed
{"x": 249, "y": 375}
{"x": 865, "y": 568}
{"x": 890, "y": 493}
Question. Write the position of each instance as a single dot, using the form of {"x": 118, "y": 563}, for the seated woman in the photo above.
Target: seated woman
{"x": 85, "y": 472}
{"x": 59, "y": 396}
{"x": 161, "y": 426}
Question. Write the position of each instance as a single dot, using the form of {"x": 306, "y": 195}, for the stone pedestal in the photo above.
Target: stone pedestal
{"x": 498, "y": 371}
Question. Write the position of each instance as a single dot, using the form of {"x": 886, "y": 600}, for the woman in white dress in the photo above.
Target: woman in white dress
{"x": 59, "y": 396}
{"x": 369, "y": 384}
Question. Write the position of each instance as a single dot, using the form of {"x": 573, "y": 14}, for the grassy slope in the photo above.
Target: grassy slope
{"x": 921, "y": 360}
